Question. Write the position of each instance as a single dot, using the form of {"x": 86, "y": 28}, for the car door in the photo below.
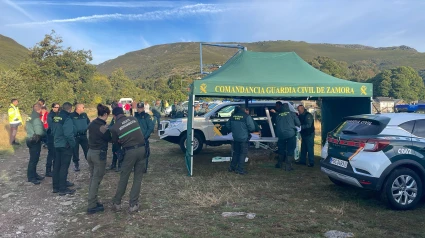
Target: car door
{"x": 418, "y": 142}
{"x": 217, "y": 126}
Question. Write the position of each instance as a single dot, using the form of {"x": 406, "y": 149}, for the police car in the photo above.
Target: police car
{"x": 210, "y": 128}
{"x": 382, "y": 152}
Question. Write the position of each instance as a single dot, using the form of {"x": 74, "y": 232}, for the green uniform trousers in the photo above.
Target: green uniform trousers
{"x": 134, "y": 158}
{"x": 97, "y": 171}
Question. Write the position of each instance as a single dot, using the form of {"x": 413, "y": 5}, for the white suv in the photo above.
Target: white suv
{"x": 210, "y": 128}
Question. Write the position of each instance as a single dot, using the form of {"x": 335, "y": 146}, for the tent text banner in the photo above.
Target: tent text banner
{"x": 289, "y": 91}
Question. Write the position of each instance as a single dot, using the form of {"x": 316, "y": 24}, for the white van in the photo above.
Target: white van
{"x": 125, "y": 100}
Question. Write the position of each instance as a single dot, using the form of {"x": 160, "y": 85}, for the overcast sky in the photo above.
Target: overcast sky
{"x": 113, "y": 28}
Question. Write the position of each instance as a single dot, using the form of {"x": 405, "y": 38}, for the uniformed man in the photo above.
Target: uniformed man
{"x": 157, "y": 112}
{"x": 145, "y": 120}
{"x": 127, "y": 132}
{"x": 50, "y": 140}
{"x": 307, "y": 136}
{"x": 35, "y": 131}
{"x": 204, "y": 109}
{"x": 147, "y": 125}
{"x": 241, "y": 125}
{"x": 286, "y": 122}
{"x": 64, "y": 141}
{"x": 81, "y": 122}
{"x": 116, "y": 147}
{"x": 173, "y": 110}
{"x": 15, "y": 120}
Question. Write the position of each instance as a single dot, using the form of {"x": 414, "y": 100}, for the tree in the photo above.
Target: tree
{"x": 49, "y": 64}
{"x": 12, "y": 85}
{"x": 401, "y": 83}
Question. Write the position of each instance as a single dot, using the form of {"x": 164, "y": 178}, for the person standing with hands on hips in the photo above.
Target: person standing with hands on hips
{"x": 99, "y": 136}
{"x": 127, "y": 132}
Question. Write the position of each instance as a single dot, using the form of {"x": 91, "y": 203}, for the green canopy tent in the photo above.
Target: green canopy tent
{"x": 279, "y": 75}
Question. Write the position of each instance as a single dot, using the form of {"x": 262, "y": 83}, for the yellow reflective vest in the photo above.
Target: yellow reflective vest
{"x": 14, "y": 115}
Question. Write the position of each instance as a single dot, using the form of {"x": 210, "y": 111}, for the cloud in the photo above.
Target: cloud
{"x": 184, "y": 11}
{"x": 122, "y": 4}
{"x": 18, "y": 8}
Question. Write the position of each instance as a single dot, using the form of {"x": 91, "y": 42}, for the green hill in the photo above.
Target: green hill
{"x": 183, "y": 58}
{"x": 11, "y": 53}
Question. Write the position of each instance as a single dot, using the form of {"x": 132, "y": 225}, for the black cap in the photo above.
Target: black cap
{"x": 117, "y": 111}
{"x": 140, "y": 105}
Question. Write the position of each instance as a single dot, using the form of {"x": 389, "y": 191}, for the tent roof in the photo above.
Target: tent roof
{"x": 275, "y": 74}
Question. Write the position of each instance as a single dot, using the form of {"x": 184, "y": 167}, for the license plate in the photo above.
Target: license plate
{"x": 338, "y": 162}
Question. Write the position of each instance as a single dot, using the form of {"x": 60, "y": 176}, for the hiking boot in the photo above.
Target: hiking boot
{"x": 242, "y": 172}
{"x": 99, "y": 208}
{"x": 38, "y": 177}
{"x": 66, "y": 191}
{"x": 34, "y": 181}
{"x": 310, "y": 165}
{"x": 76, "y": 167}
{"x": 231, "y": 170}
{"x": 69, "y": 184}
{"x": 116, "y": 207}
{"x": 134, "y": 208}
{"x": 48, "y": 172}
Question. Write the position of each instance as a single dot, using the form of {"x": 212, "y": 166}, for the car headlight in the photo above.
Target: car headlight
{"x": 175, "y": 123}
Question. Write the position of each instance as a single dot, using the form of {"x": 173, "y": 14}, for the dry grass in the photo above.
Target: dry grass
{"x": 5, "y": 147}
{"x": 303, "y": 203}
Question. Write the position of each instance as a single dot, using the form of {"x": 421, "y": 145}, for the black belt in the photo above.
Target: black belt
{"x": 133, "y": 147}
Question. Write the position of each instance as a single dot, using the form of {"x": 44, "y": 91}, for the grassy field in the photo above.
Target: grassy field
{"x": 301, "y": 203}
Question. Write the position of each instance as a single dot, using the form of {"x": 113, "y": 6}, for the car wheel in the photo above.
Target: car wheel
{"x": 337, "y": 182}
{"x": 198, "y": 143}
{"x": 403, "y": 189}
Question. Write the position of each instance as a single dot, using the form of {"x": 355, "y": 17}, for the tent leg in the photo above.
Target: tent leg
{"x": 246, "y": 102}
{"x": 189, "y": 138}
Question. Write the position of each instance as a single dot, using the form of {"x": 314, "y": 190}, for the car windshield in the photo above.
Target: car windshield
{"x": 212, "y": 105}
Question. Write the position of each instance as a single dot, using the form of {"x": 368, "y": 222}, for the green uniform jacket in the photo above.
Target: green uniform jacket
{"x": 127, "y": 132}
{"x": 146, "y": 123}
{"x": 241, "y": 125}
{"x": 81, "y": 122}
{"x": 63, "y": 130}
{"x": 34, "y": 126}
{"x": 307, "y": 123}
{"x": 286, "y": 122}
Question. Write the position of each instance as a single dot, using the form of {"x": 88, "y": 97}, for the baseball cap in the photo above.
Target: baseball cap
{"x": 140, "y": 105}
{"x": 117, "y": 111}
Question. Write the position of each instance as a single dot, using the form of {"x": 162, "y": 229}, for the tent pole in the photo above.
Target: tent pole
{"x": 189, "y": 133}
{"x": 246, "y": 102}
{"x": 200, "y": 56}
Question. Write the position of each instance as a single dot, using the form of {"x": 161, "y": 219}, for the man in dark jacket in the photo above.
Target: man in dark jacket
{"x": 147, "y": 125}
{"x": 116, "y": 147}
{"x": 127, "y": 132}
{"x": 64, "y": 141}
{"x": 241, "y": 125}
{"x": 307, "y": 136}
{"x": 81, "y": 122}
{"x": 50, "y": 140}
{"x": 35, "y": 131}
{"x": 286, "y": 122}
